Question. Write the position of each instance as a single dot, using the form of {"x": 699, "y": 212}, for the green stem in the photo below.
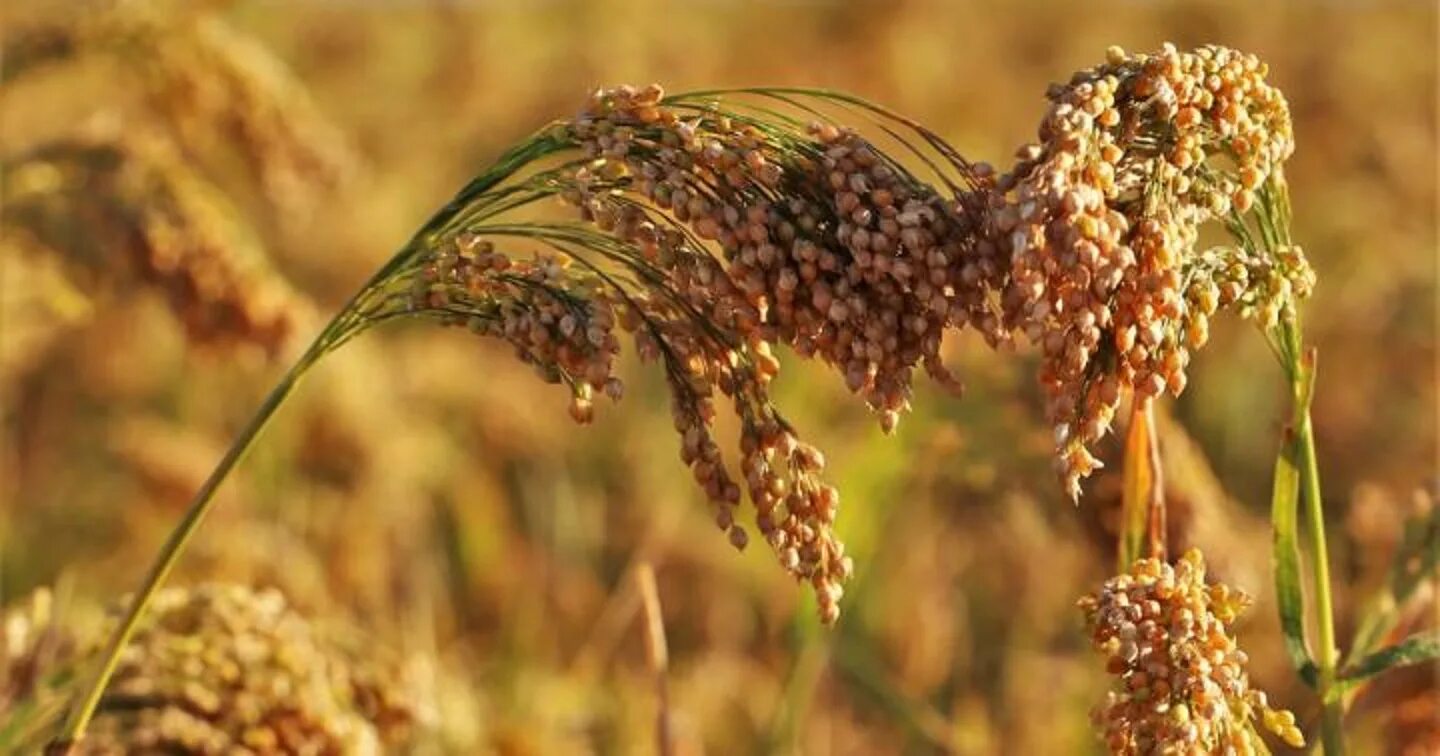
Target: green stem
{"x": 84, "y": 709}
{"x": 1328, "y": 655}
{"x": 1301, "y": 367}
{"x": 1299, "y": 364}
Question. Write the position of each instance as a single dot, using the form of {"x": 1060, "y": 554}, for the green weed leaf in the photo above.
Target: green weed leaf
{"x": 1418, "y": 648}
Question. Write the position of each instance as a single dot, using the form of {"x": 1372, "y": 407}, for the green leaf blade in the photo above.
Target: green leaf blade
{"x": 1417, "y": 649}
{"x": 1285, "y": 556}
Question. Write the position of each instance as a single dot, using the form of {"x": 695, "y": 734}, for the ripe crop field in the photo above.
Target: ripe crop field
{"x": 810, "y": 377}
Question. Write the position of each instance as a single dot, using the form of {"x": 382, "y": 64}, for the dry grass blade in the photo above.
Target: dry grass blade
{"x": 1142, "y": 508}
{"x": 657, "y": 655}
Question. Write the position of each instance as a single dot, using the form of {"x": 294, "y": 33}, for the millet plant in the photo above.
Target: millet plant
{"x": 709, "y": 229}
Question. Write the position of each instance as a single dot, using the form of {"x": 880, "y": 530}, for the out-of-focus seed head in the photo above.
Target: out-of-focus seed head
{"x": 218, "y": 91}
{"x": 141, "y": 200}
{"x": 223, "y": 669}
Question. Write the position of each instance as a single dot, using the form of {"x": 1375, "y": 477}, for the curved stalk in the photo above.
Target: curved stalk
{"x": 88, "y": 701}
{"x": 354, "y": 317}
{"x": 1299, "y": 363}
{"x": 1298, "y": 460}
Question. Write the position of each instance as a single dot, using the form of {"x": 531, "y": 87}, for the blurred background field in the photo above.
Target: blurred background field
{"x": 425, "y": 487}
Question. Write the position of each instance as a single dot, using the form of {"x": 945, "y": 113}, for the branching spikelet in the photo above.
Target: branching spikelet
{"x": 827, "y": 244}
{"x": 563, "y": 317}
{"x": 223, "y": 669}
{"x": 1100, "y": 220}
{"x": 1181, "y": 681}
{"x": 92, "y": 197}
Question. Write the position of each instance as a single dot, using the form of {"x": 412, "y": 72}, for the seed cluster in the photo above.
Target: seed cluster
{"x": 825, "y": 245}
{"x": 562, "y": 319}
{"x": 828, "y": 246}
{"x": 1182, "y": 685}
{"x": 559, "y": 320}
{"x": 1100, "y": 219}
{"x": 222, "y": 670}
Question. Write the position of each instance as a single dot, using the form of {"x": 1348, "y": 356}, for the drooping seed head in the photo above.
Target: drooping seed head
{"x": 1100, "y": 220}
